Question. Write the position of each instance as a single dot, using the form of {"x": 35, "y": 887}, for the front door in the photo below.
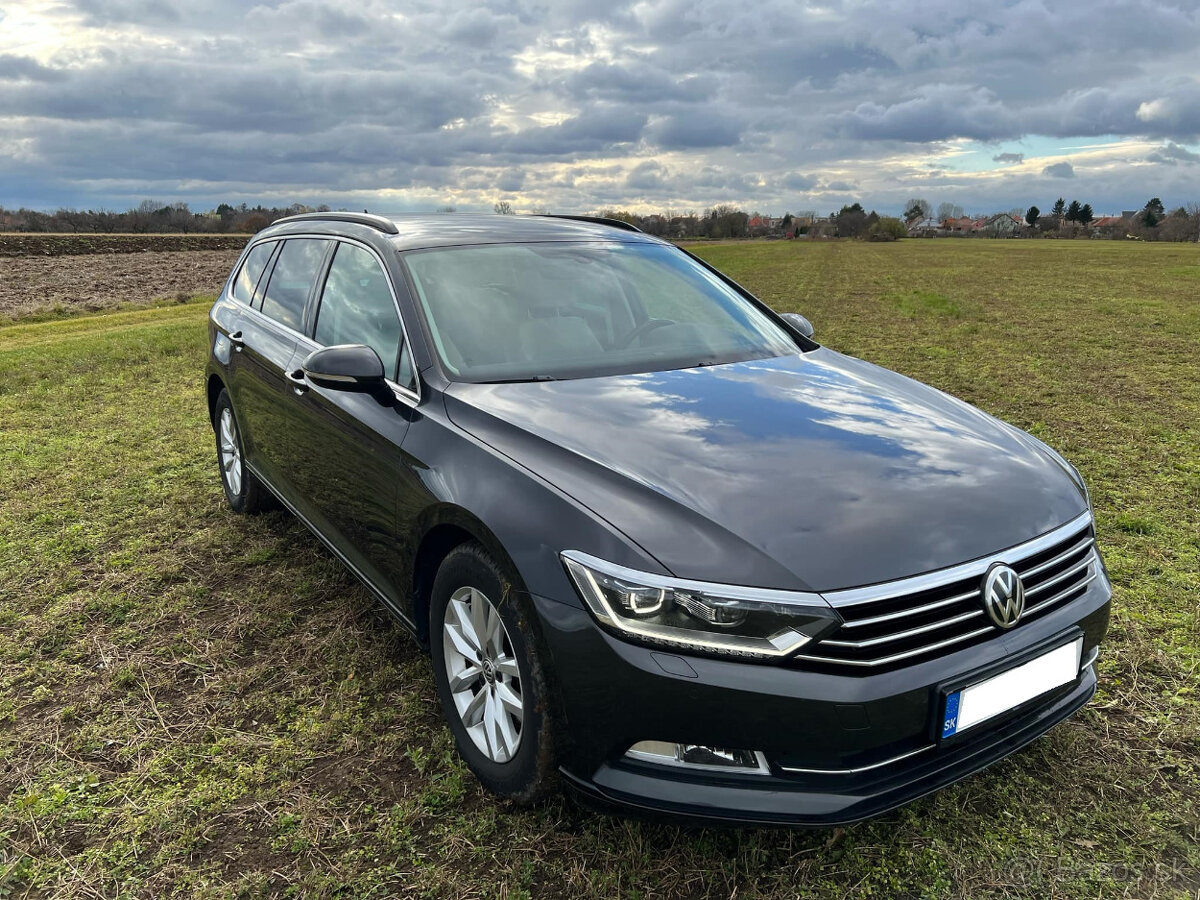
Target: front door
{"x": 346, "y": 461}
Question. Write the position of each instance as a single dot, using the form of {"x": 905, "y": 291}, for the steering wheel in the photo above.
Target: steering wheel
{"x": 642, "y": 328}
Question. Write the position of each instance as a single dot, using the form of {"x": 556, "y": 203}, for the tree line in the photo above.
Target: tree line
{"x": 152, "y": 217}
{"x": 1074, "y": 219}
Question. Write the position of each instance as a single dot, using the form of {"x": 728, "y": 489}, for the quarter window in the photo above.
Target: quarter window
{"x": 357, "y": 308}
{"x": 251, "y": 270}
{"x": 291, "y": 279}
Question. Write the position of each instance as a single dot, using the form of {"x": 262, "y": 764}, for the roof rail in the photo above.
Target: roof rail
{"x": 598, "y": 220}
{"x": 379, "y": 223}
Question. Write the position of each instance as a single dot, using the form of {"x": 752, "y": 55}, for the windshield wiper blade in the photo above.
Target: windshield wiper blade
{"x": 525, "y": 380}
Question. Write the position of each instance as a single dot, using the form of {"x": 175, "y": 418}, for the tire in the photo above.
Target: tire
{"x": 470, "y": 589}
{"x": 244, "y": 493}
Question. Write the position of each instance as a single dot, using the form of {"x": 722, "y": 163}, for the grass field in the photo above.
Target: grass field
{"x": 200, "y": 704}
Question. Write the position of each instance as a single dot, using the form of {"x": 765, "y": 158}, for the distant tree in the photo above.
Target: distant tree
{"x": 503, "y": 208}
{"x": 887, "y": 228}
{"x": 1073, "y": 211}
{"x": 1060, "y": 209}
{"x": 1085, "y": 214}
{"x": 1032, "y": 215}
{"x": 447, "y": 209}
{"x": 949, "y": 211}
{"x": 851, "y": 221}
{"x": 787, "y": 220}
{"x": 916, "y": 208}
{"x": 1153, "y": 212}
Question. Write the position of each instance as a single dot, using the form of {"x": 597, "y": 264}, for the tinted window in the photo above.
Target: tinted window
{"x": 293, "y": 275}
{"x": 532, "y": 311}
{"x": 357, "y": 306}
{"x": 251, "y": 271}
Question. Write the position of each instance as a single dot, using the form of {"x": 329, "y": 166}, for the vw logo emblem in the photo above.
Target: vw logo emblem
{"x": 1003, "y": 595}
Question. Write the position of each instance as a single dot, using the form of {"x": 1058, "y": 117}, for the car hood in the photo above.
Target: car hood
{"x": 812, "y": 472}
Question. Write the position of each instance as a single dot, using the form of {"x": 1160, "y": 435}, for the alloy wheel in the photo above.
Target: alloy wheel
{"x": 485, "y": 681}
{"x": 231, "y": 452}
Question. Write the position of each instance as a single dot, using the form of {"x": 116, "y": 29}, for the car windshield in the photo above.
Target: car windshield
{"x": 542, "y": 311}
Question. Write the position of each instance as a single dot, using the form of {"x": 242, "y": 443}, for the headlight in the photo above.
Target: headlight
{"x": 709, "y": 618}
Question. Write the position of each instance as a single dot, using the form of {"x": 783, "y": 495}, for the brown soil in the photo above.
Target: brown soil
{"x": 36, "y": 284}
{"x": 25, "y": 244}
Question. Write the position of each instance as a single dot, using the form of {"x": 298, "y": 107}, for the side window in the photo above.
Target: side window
{"x": 251, "y": 271}
{"x": 293, "y": 275}
{"x": 357, "y": 307}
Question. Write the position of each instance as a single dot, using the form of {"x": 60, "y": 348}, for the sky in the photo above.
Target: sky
{"x": 581, "y": 105}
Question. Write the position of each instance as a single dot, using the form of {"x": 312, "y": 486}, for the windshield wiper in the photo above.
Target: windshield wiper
{"x": 524, "y": 380}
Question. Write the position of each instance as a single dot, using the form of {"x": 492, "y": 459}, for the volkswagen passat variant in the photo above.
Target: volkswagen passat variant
{"x": 661, "y": 545}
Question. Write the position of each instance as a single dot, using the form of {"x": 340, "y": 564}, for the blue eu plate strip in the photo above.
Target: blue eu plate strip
{"x": 950, "y": 720}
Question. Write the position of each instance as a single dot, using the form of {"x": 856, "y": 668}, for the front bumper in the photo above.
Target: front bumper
{"x": 841, "y": 747}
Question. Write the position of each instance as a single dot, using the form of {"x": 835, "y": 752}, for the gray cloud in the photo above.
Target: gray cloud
{"x": 1172, "y": 154}
{"x": 574, "y": 104}
{"x": 1059, "y": 170}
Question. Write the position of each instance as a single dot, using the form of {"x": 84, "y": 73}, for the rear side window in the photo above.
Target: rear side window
{"x": 357, "y": 306}
{"x": 251, "y": 270}
{"x": 291, "y": 279}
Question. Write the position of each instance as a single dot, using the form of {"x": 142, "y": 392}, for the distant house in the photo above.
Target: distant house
{"x": 1000, "y": 225}
{"x": 963, "y": 225}
{"x": 922, "y": 226}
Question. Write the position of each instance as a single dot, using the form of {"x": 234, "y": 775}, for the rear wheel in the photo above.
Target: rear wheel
{"x": 489, "y": 677}
{"x": 243, "y": 491}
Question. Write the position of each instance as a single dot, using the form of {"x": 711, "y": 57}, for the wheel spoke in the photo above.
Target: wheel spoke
{"x": 462, "y": 643}
{"x": 504, "y": 728}
{"x": 462, "y": 616}
{"x": 479, "y": 617}
{"x": 464, "y": 679}
{"x": 506, "y": 665}
{"x": 474, "y": 712}
{"x": 509, "y": 699}
{"x": 495, "y": 633}
{"x": 491, "y": 726}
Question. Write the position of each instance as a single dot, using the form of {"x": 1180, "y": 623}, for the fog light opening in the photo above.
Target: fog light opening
{"x": 699, "y": 757}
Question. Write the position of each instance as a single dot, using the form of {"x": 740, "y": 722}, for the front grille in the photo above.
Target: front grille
{"x": 905, "y": 621}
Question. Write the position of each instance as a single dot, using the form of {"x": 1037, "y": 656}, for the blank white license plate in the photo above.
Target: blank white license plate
{"x": 982, "y": 701}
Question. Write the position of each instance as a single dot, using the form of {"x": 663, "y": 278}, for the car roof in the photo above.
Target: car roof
{"x": 418, "y": 231}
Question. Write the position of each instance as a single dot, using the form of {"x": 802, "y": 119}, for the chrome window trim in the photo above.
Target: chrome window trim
{"x": 942, "y": 577}
{"x": 401, "y": 392}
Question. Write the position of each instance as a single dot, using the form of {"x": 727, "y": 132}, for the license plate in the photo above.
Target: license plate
{"x": 969, "y": 706}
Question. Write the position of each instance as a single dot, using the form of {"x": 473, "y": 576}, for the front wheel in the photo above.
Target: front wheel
{"x": 489, "y": 677}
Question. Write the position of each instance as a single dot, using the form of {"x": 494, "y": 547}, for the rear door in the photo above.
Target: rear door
{"x": 270, "y": 330}
{"x": 345, "y": 457}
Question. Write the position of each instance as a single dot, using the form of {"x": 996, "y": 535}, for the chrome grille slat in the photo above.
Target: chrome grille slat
{"x": 915, "y": 611}
{"x": 913, "y": 617}
{"x": 912, "y": 632}
{"x": 1082, "y": 545}
{"x": 1036, "y": 608}
{"x": 1050, "y": 582}
{"x": 899, "y": 656}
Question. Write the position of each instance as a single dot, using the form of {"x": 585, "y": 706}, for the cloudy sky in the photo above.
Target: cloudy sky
{"x": 582, "y": 104}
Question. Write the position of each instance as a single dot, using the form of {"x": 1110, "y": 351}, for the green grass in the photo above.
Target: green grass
{"x": 193, "y": 703}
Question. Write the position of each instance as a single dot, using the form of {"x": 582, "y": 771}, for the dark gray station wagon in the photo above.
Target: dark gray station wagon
{"x": 661, "y": 545}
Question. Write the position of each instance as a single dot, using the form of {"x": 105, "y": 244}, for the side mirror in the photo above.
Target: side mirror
{"x": 347, "y": 367}
{"x": 798, "y": 324}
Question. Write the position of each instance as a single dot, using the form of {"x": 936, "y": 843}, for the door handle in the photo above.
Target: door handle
{"x": 235, "y": 338}
{"x": 299, "y": 383}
